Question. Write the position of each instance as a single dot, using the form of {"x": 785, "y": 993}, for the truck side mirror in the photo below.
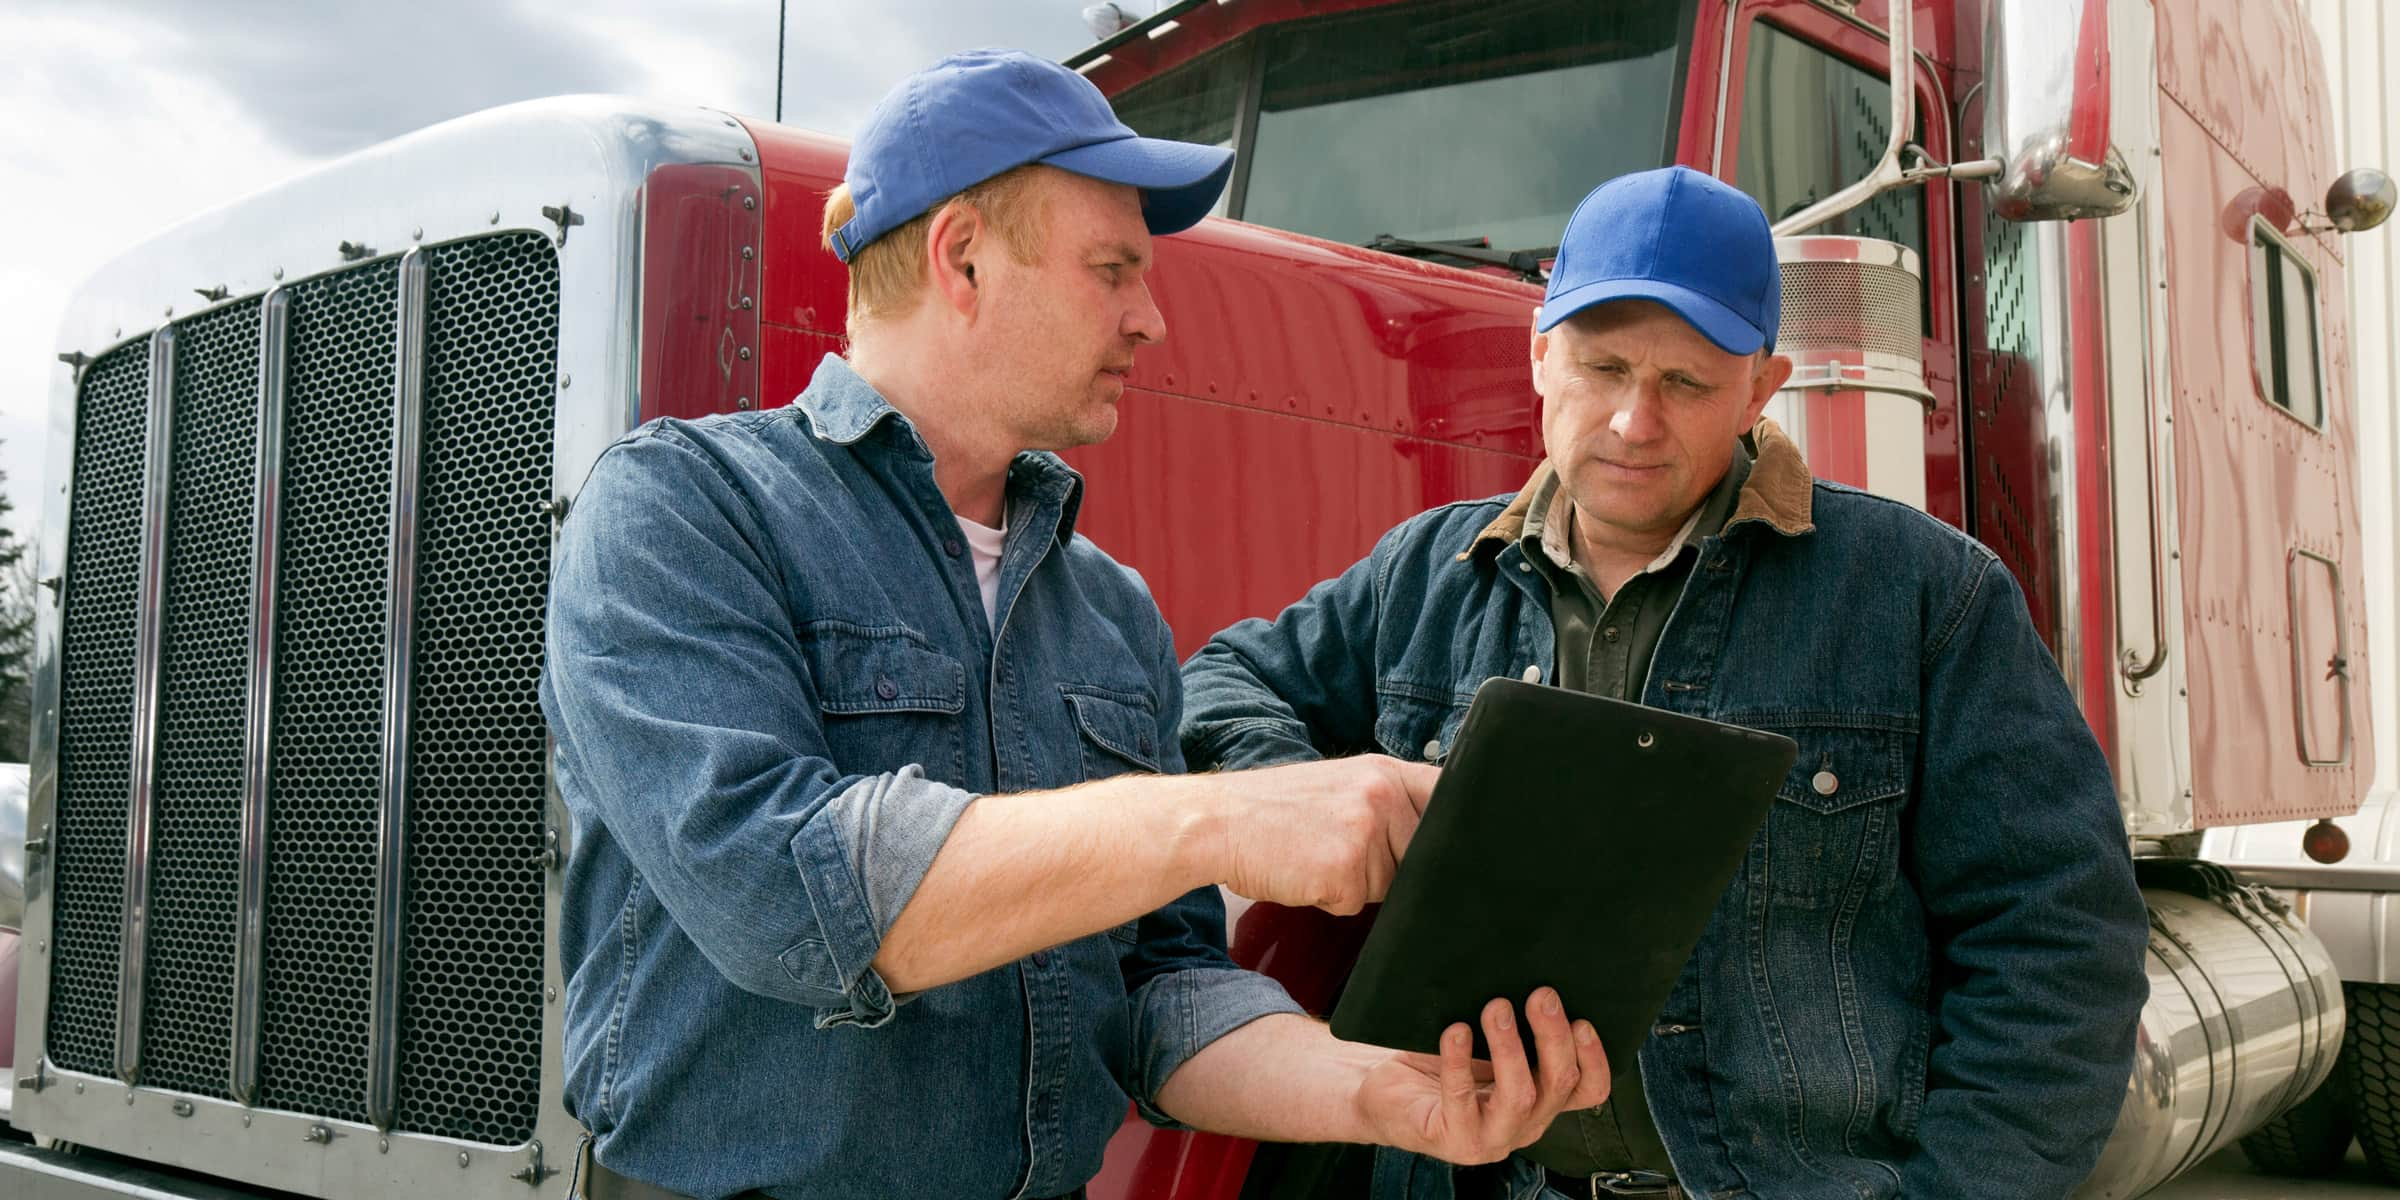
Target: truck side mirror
{"x": 2360, "y": 200}
{"x": 2046, "y": 118}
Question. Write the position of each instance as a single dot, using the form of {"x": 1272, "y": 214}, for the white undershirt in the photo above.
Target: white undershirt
{"x": 985, "y": 542}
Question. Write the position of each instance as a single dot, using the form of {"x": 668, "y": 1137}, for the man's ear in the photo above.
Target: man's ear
{"x": 954, "y": 241}
{"x": 1539, "y": 347}
{"x": 1768, "y": 380}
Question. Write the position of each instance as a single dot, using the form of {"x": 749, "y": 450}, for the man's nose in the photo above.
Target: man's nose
{"x": 1637, "y": 420}
{"x": 1143, "y": 322}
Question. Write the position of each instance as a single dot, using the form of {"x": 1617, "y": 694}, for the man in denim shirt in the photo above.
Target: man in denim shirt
{"x": 839, "y": 921}
{"x": 1924, "y": 979}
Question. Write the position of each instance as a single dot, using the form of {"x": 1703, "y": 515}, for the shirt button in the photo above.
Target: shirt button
{"x": 1826, "y": 783}
{"x": 1609, "y": 633}
{"x": 1433, "y": 749}
{"x": 885, "y": 688}
{"x": 951, "y": 547}
{"x": 1524, "y": 566}
{"x": 1533, "y": 674}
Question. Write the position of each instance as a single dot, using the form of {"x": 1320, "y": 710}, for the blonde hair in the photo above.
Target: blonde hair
{"x": 887, "y": 274}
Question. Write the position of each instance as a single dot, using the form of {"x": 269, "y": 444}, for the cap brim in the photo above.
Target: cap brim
{"x": 1180, "y": 181}
{"x": 1715, "y": 322}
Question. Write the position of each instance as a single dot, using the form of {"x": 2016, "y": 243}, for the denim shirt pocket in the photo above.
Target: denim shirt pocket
{"x": 888, "y": 698}
{"x": 1415, "y": 723}
{"x": 1833, "y": 829}
{"x": 1118, "y": 729}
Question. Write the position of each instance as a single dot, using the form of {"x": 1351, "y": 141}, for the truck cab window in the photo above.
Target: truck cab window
{"x": 1433, "y": 120}
{"x": 1813, "y": 124}
{"x": 1198, "y": 102}
{"x": 2283, "y": 326}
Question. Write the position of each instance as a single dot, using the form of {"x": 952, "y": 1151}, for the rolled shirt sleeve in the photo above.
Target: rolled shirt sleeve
{"x": 685, "y": 712}
{"x": 1179, "y": 1013}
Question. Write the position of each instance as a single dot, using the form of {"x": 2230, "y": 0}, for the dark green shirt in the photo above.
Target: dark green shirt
{"x": 1605, "y": 644}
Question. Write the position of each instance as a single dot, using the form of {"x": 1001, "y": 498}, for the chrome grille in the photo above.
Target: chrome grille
{"x": 324, "y": 774}
{"x": 472, "y": 967}
{"x": 469, "y": 1049}
{"x": 95, "y": 711}
{"x": 196, "y": 836}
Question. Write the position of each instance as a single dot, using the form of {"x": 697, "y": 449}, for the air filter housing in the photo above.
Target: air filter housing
{"x": 1853, "y": 326}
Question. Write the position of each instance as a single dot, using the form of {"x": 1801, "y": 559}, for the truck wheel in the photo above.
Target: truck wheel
{"x": 2371, "y": 1061}
{"x": 2310, "y": 1139}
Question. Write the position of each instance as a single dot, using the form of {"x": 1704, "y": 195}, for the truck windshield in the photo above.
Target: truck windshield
{"x": 1429, "y": 120}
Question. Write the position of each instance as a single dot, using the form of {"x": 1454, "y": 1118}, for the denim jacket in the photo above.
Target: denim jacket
{"x": 773, "y": 690}
{"x": 1925, "y": 977}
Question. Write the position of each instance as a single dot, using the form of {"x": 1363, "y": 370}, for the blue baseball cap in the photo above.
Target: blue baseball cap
{"x": 978, "y": 113}
{"x": 1678, "y": 238}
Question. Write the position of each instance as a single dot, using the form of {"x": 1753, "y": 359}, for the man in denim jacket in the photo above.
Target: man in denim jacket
{"x": 855, "y": 908}
{"x": 1924, "y": 980}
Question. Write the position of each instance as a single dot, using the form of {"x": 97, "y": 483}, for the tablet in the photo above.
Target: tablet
{"x": 1573, "y": 841}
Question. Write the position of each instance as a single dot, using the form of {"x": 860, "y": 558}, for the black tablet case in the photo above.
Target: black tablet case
{"x": 1573, "y": 841}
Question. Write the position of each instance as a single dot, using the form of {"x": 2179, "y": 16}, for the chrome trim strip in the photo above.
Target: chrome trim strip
{"x": 148, "y": 638}
{"x": 391, "y": 866}
{"x": 2054, "y": 372}
{"x": 266, "y": 528}
{"x": 1716, "y": 148}
{"x": 2132, "y": 664}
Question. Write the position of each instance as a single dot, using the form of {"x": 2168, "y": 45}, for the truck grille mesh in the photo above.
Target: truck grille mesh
{"x": 195, "y": 848}
{"x": 95, "y": 711}
{"x": 325, "y": 770}
{"x": 472, "y": 968}
{"x": 472, "y": 962}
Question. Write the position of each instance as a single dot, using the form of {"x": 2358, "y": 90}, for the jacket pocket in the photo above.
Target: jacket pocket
{"x": 1833, "y": 830}
{"x": 1416, "y": 724}
{"x": 1118, "y": 729}
{"x": 888, "y": 698}
{"x": 862, "y": 669}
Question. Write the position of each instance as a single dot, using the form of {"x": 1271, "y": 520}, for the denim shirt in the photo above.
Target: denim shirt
{"x": 774, "y": 689}
{"x": 1925, "y": 977}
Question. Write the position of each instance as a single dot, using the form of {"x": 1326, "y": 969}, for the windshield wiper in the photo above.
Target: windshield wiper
{"x": 1471, "y": 251}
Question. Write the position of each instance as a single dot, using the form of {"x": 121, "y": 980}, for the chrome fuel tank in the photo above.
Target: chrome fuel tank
{"x": 2244, "y": 1020}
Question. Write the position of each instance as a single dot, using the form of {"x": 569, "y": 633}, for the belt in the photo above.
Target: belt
{"x": 596, "y": 1182}
{"x": 1617, "y": 1183}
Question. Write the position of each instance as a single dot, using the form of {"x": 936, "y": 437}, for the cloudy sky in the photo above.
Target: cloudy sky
{"x": 123, "y": 117}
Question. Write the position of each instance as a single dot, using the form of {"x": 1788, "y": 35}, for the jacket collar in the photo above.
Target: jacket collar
{"x": 844, "y": 408}
{"x": 1779, "y": 494}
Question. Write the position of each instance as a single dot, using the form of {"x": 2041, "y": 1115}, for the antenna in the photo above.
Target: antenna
{"x": 780, "y": 7}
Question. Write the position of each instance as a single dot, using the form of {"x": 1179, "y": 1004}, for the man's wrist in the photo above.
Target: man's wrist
{"x": 1356, "y": 1062}
{"x": 1199, "y": 816}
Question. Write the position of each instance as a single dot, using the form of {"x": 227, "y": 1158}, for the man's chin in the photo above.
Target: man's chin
{"x": 1089, "y": 428}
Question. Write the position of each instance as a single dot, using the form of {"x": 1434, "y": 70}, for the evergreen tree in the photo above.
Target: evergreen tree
{"x": 18, "y": 595}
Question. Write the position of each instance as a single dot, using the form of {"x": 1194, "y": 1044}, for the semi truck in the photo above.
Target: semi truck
{"x": 2064, "y": 274}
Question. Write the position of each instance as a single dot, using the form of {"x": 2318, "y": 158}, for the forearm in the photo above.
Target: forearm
{"x": 1026, "y": 872}
{"x": 1280, "y": 1078}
